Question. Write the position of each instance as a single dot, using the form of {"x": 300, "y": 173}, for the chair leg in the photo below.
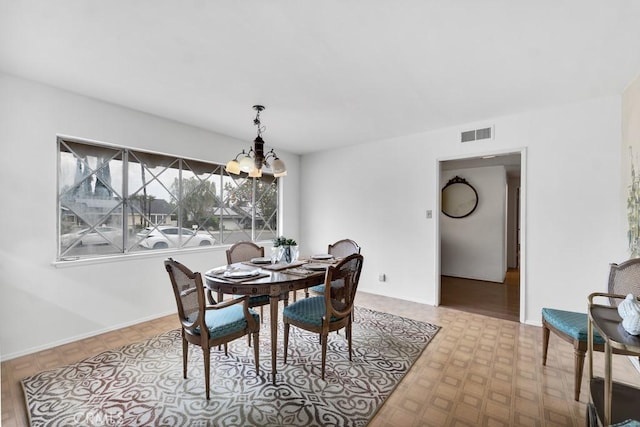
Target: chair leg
{"x": 349, "y": 339}
{"x": 545, "y": 343}
{"x": 286, "y": 340}
{"x": 210, "y": 298}
{"x": 324, "y": 339}
{"x": 185, "y": 356}
{"x": 207, "y": 369}
{"x": 256, "y": 352}
{"x": 578, "y": 368}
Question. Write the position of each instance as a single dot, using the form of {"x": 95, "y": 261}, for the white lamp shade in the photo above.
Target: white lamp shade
{"x": 279, "y": 169}
{"x": 247, "y": 164}
{"x": 233, "y": 167}
{"x": 255, "y": 173}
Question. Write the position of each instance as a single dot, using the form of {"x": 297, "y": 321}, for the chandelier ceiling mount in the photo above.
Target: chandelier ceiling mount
{"x": 255, "y": 159}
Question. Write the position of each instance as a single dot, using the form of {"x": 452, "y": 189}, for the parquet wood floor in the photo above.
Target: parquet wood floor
{"x": 477, "y": 371}
{"x": 501, "y": 300}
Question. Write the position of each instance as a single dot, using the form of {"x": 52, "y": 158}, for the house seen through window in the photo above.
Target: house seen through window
{"x": 115, "y": 200}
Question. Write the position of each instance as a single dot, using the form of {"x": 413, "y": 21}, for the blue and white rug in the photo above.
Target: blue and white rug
{"x": 141, "y": 384}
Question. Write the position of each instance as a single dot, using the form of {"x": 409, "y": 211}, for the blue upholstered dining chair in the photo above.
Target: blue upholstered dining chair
{"x": 624, "y": 278}
{"x": 340, "y": 249}
{"x": 324, "y": 314}
{"x": 205, "y": 325}
{"x": 243, "y": 252}
{"x": 571, "y": 327}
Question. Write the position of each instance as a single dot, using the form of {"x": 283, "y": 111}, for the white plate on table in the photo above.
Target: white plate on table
{"x": 238, "y": 274}
{"x": 322, "y": 256}
{"x": 261, "y": 260}
{"x": 316, "y": 267}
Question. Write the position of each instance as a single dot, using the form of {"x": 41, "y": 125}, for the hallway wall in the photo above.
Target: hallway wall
{"x": 474, "y": 246}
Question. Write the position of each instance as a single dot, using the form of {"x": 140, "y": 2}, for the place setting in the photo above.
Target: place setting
{"x": 324, "y": 258}
{"x": 259, "y": 261}
{"x": 309, "y": 267}
{"x": 236, "y": 275}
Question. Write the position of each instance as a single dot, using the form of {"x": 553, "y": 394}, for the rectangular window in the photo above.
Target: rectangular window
{"x": 115, "y": 200}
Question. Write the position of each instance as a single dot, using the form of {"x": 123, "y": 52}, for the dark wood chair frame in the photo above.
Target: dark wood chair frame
{"x": 341, "y": 248}
{"x": 245, "y": 248}
{"x": 196, "y": 332}
{"x": 342, "y": 312}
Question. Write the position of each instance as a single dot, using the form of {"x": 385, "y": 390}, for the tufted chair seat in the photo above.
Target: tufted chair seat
{"x": 571, "y": 327}
{"x": 311, "y": 310}
{"x": 325, "y": 314}
{"x": 624, "y": 278}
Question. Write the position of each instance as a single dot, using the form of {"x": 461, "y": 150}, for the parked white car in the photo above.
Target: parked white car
{"x": 165, "y": 236}
{"x": 98, "y": 236}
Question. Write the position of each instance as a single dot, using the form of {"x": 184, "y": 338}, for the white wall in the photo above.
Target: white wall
{"x": 378, "y": 193}
{"x": 42, "y": 305}
{"x": 513, "y": 184}
{"x": 473, "y": 247}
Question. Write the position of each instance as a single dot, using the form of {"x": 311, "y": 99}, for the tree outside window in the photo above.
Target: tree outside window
{"x": 116, "y": 200}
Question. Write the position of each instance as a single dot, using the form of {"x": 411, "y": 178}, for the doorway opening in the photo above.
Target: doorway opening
{"x": 464, "y": 282}
{"x": 501, "y": 300}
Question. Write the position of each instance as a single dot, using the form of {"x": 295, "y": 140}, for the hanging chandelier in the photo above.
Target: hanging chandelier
{"x": 252, "y": 162}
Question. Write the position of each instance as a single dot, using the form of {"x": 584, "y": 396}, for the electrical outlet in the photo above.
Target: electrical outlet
{"x": 429, "y": 214}
{"x": 382, "y": 277}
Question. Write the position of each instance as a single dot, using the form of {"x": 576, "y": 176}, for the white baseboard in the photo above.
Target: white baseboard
{"x": 5, "y": 357}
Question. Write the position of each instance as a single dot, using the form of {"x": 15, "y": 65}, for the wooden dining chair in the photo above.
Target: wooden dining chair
{"x": 324, "y": 314}
{"x": 244, "y": 252}
{"x": 205, "y": 325}
{"x": 340, "y": 249}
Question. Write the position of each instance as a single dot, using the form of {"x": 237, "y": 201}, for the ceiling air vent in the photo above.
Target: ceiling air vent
{"x": 476, "y": 135}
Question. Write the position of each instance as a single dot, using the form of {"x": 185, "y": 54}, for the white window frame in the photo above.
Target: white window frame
{"x": 231, "y": 206}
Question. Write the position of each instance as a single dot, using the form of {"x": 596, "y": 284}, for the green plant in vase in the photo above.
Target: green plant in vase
{"x": 287, "y": 249}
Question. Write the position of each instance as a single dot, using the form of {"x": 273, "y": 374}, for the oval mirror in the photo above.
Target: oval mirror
{"x": 459, "y": 198}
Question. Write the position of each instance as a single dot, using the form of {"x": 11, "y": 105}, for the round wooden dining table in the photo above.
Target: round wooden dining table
{"x": 268, "y": 282}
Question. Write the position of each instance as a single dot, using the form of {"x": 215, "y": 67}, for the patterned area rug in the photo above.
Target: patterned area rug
{"x": 141, "y": 384}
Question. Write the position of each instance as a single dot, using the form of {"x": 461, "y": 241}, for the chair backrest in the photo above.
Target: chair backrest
{"x": 346, "y": 274}
{"x": 624, "y": 278}
{"x": 343, "y": 248}
{"x": 189, "y": 293}
{"x": 244, "y": 251}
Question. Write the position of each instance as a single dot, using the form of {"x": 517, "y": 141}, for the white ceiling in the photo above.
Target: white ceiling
{"x": 330, "y": 72}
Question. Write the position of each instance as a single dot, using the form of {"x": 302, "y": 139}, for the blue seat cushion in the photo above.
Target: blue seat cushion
{"x": 308, "y": 310}
{"x": 338, "y": 284}
{"x": 256, "y": 300}
{"x": 570, "y": 323}
{"x": 318, "y": 288}
{"x": 259, "y": 300}
{"x": 226, "y": 321}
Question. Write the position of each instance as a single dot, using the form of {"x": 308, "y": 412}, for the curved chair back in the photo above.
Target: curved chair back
{"x": 624, "y": 278}
{"x": 346, "y": 276}
{"x": 244, "y": 251}
{"x": 189, "y": 292}
{"x": 222, "y": 323}
{"x": 343, "y": 248}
